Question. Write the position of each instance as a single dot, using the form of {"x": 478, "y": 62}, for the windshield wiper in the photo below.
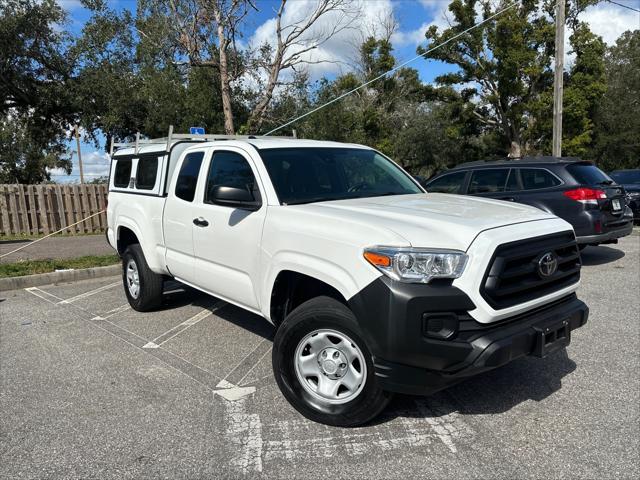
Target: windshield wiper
{"x": 386, "y": 194}
{"x": 312, "y": 200}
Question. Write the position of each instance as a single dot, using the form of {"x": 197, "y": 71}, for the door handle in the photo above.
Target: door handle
{"x": 200, "y": 222}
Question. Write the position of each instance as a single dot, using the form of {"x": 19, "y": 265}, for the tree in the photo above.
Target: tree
{"x": 584, "y": 89}
{"x": 132, "y": 82}
{"x": 617, "y": 119}
{"x": 505, "y": 62}
{"x": 293, "y": 42}
{"x": 36, "y": 109}
{"x": 203, "y": 34}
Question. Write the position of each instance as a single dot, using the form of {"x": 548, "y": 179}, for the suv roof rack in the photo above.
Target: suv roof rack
{"x": 541, "y": 159}
{"x": 172, "y": 137}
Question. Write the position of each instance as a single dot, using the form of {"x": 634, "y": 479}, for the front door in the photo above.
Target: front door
{"x": 226, "y": 240}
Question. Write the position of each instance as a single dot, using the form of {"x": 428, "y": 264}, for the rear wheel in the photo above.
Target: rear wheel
{"x": 142, "y": 286}
{"x": 323, "y": 367}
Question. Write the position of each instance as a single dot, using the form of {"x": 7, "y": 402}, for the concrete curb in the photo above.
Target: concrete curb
{"x": 14, "y": 283}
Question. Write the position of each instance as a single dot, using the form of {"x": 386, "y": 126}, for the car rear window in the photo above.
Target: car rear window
{"x": 535, "y": 178}
{"x": 146, "y": 173}
{"x": 588, "y": 174}
{"x": 122, "y": 175}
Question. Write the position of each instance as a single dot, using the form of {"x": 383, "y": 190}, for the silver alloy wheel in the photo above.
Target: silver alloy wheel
{"x": 330, "y": 366}
{"x": 133, "y": 278}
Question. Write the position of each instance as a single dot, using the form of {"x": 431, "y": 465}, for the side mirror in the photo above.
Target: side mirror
{"x": 234, "y": 197}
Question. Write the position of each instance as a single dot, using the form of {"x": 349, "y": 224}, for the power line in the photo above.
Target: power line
{"x": 624, "y": 6}
{"x": 422, "y": 55}
{"x": 77, "y": 174}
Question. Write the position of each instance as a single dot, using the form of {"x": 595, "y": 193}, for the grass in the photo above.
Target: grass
{"x": 25, "y": 236}
{"x": 31, "y": 267}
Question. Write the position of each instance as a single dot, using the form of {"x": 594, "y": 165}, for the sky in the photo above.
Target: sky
{"x": 413, "y": 18}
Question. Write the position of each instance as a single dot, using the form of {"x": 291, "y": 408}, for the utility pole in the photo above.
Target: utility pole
{"x": 79, "y": 155}
{"x": 557, "y": 80}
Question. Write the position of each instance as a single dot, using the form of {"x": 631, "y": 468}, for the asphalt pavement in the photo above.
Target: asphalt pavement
{"x": 57, "y": 247}
{"x": 92, "y": 389}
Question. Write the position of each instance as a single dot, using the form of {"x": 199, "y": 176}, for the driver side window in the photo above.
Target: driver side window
{"x": 230, "y": 169}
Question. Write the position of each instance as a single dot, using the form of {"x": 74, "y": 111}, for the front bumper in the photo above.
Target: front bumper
{"x": 407, "y": 359}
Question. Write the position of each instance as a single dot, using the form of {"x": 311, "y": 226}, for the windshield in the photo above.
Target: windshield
{"x": 588, "y": 174}
{"x": 626, "y": 177}
{"x": 305, "y": 175}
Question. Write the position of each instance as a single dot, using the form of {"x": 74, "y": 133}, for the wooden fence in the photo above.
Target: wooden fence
{"x": 43, "y": 209}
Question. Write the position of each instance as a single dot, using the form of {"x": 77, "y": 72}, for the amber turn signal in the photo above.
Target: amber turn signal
{"x": 377, "y": 259}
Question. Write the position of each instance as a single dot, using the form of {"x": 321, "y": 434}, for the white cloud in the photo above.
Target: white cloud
{"x": 94, "y": 164}
{"x": 69, "y": 5}
{"x": 606, "y": 20}
{"x": 340, "y": 50}
{"x": 610, "y": 21}
{"x": 411, "y": 37}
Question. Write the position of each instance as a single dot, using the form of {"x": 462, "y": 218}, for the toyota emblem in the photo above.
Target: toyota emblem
{"x": 547, "y": 264}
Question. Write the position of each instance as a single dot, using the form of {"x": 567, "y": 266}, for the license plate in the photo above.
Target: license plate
{"x": 615, "y": 204}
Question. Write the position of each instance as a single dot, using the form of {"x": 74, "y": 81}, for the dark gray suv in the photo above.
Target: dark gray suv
{"x": 574, "y": 190}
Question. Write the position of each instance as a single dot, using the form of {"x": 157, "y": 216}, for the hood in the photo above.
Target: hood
{"x": 435, "y": 220}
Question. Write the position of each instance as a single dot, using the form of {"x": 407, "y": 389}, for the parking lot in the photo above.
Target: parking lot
{"x": 93, "y": 389}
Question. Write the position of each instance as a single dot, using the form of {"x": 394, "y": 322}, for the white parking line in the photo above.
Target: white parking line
{"x": 46, "y": 296}
{"x": 190, "y": 322}
{"x": 91, "y": 292}
{"x": 254, "y": 366}
{"x": 112, "y": 312}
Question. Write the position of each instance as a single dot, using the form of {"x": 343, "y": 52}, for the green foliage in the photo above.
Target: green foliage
{"x": 617, "y": 120}
{"x": 583, "y": 91}
{"x": 35, "y": 111}
{"x": 128, "y": 72}
{"x": 32, "y": 267}
{"x": 507, "y": 62}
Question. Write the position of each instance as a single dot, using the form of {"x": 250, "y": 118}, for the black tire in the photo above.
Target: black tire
{"x": 149, "y": 294}
{"x": 324, "y": 313}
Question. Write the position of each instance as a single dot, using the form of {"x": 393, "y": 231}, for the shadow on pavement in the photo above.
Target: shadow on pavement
{"x": 600, "y": 255}
{"x": 497, "y": 391}
{"x": 179, "y": 295}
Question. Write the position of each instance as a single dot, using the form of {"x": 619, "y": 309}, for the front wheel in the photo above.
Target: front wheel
{"x": 142, "y": 286}
{"x": 323, "y": 367}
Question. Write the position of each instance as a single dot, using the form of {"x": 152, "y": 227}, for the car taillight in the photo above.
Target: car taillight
{"x": 586, "y": 195}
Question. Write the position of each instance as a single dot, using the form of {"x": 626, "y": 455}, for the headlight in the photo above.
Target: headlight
{"x": 416, "y": 265}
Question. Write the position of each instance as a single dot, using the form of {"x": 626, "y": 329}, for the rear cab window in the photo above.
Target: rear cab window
{"x": 588, "y": 174}
{"x": 122, "y": 173}
{"x": 147, "y": 172}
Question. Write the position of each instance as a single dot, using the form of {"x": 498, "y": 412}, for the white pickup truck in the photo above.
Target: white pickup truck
{"x": 375, "y": 286}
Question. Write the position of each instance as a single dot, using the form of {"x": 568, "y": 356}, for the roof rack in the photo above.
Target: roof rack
{"x": 541, "y": 159}
{"x": 171, "y": 137}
